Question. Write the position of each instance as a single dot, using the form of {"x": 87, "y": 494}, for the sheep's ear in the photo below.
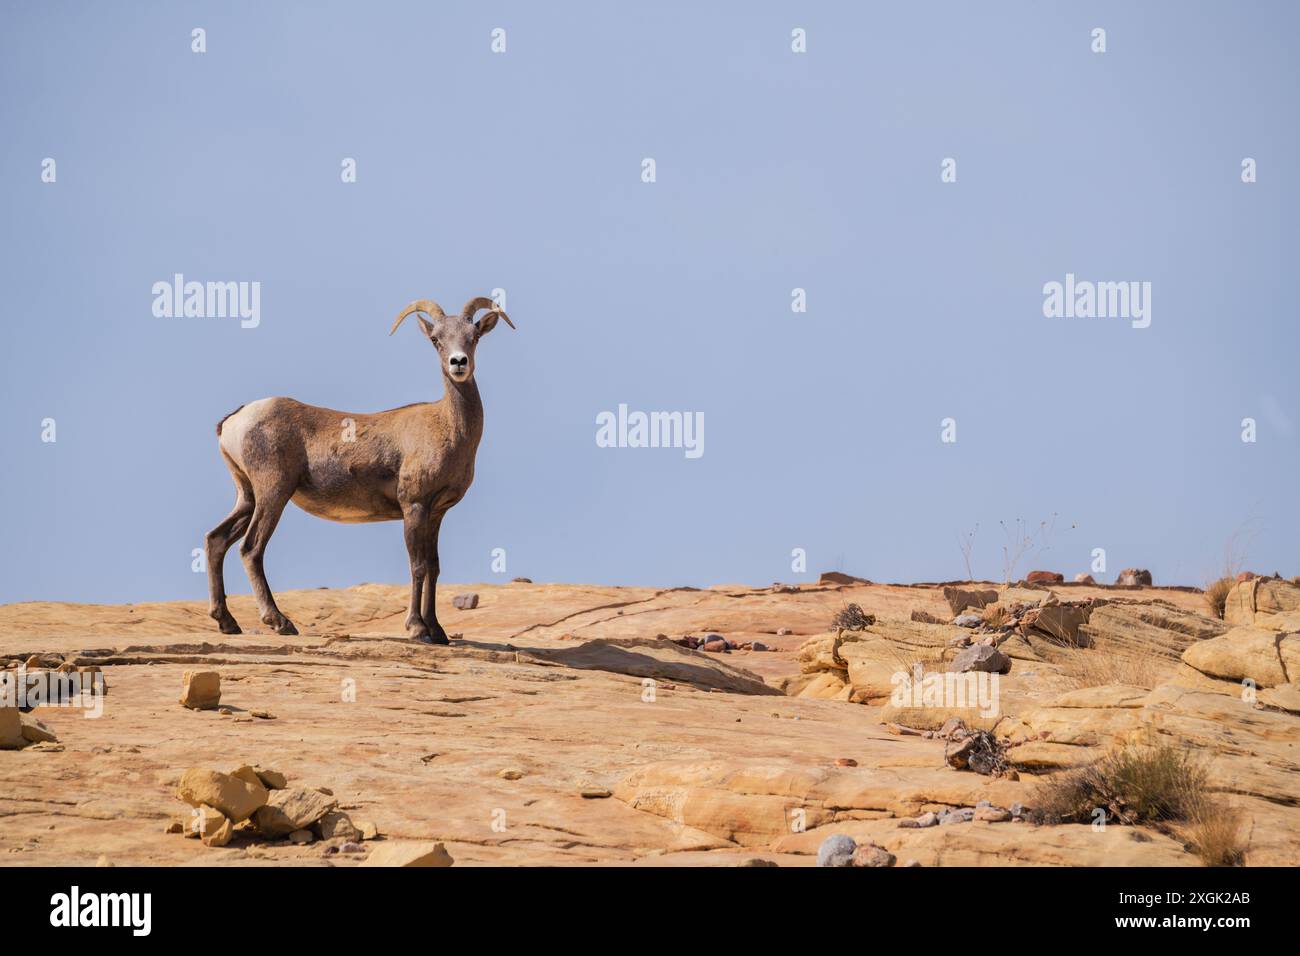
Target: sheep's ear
{"x": 489, "y": 321}
{"x": 426, "y": 325}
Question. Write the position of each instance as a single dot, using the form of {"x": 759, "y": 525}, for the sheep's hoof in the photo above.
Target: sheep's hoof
{"x": 280, "y": 623}
{"x": 227, "y": 623}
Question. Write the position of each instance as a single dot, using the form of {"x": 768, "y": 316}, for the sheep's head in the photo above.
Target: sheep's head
{"x": 455, "y": 337}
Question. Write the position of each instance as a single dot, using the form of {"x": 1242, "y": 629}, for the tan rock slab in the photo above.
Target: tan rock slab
{"x": 409, "y": 854}
{"x": 292, "y": 809}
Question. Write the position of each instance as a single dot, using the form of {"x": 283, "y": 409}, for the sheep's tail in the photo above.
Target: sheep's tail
{"x": 223, "y": 421}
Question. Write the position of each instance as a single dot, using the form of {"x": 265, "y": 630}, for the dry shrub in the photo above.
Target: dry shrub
{"x": 1148, "y": 784}
{"x": 1216, "y": 595}
{"x": 852, "y": 618}
{"x": 1089, "y": 667}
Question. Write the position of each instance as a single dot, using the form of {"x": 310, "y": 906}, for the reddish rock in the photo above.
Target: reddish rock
{"x": 1246, "y": 576}
{"x": 1045, "y": 577}
{"x": 845, "y": 762}
{"x": 715, "y": 646}
{"x": 1084, "y": 579}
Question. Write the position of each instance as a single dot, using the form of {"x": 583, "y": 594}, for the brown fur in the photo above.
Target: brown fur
{"x": 411, "y": 464}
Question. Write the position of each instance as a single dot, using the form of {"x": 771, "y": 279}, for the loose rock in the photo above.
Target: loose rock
{"x": 871, "y": 855}
{"x": 200, "y": 690}
{"x": 836, "y": 850}
{"x": 465, "y": 602}
{"x": 235, "y": 798}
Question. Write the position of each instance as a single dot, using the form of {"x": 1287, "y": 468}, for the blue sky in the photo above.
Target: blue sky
{"x": 775, "y": 171}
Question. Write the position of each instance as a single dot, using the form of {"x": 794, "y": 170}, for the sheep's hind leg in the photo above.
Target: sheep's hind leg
{"x": 266, "y": 515}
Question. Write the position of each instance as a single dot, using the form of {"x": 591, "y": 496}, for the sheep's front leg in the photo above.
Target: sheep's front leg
{"x": 427, "y": 609}
{"x": 415, "y": 526}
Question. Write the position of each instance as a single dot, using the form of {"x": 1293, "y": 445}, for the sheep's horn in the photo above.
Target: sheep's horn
{"x": 428, "y": 306}
{"x": 482, "y": 302}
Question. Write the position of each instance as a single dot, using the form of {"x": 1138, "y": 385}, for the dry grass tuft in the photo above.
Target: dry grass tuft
{"x": 1216, "y": 595}
{"x": 1214, "y": 832}
{"x": 1089, "y": 667}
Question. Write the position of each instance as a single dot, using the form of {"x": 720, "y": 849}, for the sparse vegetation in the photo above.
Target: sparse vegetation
{"x": 1150, "y": 784}
{"x": 852, "y": 618}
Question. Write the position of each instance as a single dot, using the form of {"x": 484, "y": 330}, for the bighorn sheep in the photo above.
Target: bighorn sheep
{"x": 411, "y": 463}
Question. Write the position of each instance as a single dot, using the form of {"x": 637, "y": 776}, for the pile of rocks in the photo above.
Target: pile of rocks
{"x": 984, "y": 811}
{"x": 258, "y": 801}
{"x": 842, "y": 850}
{"x": 717, "y": 644}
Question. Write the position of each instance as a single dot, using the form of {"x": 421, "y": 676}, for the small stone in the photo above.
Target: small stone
{"x": 871, "y": 855}
{"x": 958, "y": 757}
{"x": 907, "y": 823}
{"x": 337, "y": 825}
{"x": 992, "y": 814}
{"x": 409, "y": 854}
{"x": 352, "y": 848}
{"x": 718, "y": 646}
{"x": 262, "y": 714}
{"x": 1017, "y": 810}
{"x": 960, "y": 815}
{"x": 757, "y": 861}
{"x": 1084, "y": 578}
{"x": 271, "y": 779}
{"x": 224, "y": 711}
{"x": 595, "y": 793}
{"x": 103, "y": 860}
{"x": 758, "y": 646}
{"x": 912, "y": 863}
{"x": 968, "y": 620}
{"x": 836, "y": 850}
{"x": 301, "y": 837}
{"x": 369, "y": 830}
{"x": 465, "y": 602}
{"x": 952, "y": 726}
{"x": 174, "y": 826}
{"x": 214, "y": 828}
{"x": 783, "y": 632}
{"x": 36, "y": 731}
{"x": 510, "y": 774}
{"x": 200, "y": 690}
{"x": 521, "y": 580}
{"x": 981, "y": 658}
{"x": 927, "y": 820}
{"x": 845, "y": 762}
